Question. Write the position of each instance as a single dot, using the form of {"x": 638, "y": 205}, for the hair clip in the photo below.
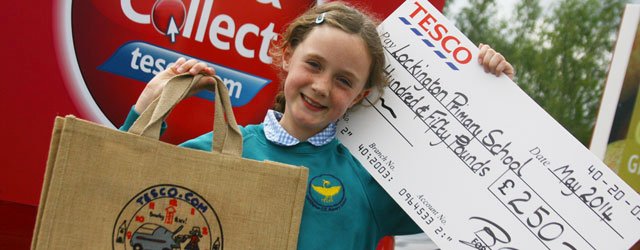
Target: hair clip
{"x": 320, "y": 18}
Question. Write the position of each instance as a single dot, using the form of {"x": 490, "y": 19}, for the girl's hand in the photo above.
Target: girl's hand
{"x": 156, "y": 85}
{"x": 494, "y": 63}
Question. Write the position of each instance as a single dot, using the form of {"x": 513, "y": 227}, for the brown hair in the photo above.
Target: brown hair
{"x": 344, "y": 17}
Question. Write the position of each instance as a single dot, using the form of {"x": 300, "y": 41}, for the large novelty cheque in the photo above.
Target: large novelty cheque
{"x": 472, "y": 159}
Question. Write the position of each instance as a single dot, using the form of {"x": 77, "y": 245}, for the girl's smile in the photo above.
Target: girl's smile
{"x": 326, "y": 75}
{"x": 311, "y": 104}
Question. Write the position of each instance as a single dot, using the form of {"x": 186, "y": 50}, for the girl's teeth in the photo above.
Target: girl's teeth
{"x": 313, "y": 103}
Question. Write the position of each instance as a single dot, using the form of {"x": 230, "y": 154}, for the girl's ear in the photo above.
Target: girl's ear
{"x": 364, "y": 93}
{"x": 286, "y": 56}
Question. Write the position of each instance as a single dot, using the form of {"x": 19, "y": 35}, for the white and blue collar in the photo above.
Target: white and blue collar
{"x": 278, "y": 135}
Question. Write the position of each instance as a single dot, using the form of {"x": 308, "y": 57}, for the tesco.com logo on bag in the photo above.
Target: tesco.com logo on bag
{"x": 167, "y": 216}
{"x": 112, "y": 48}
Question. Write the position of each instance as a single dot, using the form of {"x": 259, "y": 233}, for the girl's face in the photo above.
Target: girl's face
{"x": 326, "y": 75}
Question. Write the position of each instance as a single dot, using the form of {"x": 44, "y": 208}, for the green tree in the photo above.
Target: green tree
{"x": 561, "y": 54}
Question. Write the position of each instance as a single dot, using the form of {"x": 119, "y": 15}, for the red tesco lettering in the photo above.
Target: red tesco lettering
{"x": 438, "y": 32}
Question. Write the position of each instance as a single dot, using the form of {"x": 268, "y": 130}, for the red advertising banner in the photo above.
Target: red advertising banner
{"x": 92, "y": 58}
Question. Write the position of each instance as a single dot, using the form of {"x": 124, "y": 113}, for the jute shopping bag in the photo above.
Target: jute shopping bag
{"x": 107, "y": 189}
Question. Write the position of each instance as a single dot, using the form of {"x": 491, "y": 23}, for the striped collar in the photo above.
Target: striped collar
{"x": 278, "y": 135}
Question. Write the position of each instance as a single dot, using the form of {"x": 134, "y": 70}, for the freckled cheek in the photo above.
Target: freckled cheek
{"x": 296, "y": 81}
{"x": 291, "y": 84}
{"x": 343, "y": 101}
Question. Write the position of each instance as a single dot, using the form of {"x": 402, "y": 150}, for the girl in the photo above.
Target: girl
{"x": 330, "y": 58}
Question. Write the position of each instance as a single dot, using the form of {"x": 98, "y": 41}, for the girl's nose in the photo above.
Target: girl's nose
{"x": 322, "y": 86}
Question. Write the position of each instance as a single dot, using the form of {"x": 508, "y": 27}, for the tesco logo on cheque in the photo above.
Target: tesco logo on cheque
{"x": 437, "y": 36}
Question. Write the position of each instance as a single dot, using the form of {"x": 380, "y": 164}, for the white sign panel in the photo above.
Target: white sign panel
{"x": 615, "y": 81}
{"x": 472, "y": 159}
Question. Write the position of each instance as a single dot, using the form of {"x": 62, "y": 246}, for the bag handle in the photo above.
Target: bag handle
{"x": 227, "y": 138}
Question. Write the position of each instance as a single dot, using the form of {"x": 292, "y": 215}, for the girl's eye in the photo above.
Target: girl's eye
{"x": 345, "y": 81}
{"x": 314, "y": 64}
